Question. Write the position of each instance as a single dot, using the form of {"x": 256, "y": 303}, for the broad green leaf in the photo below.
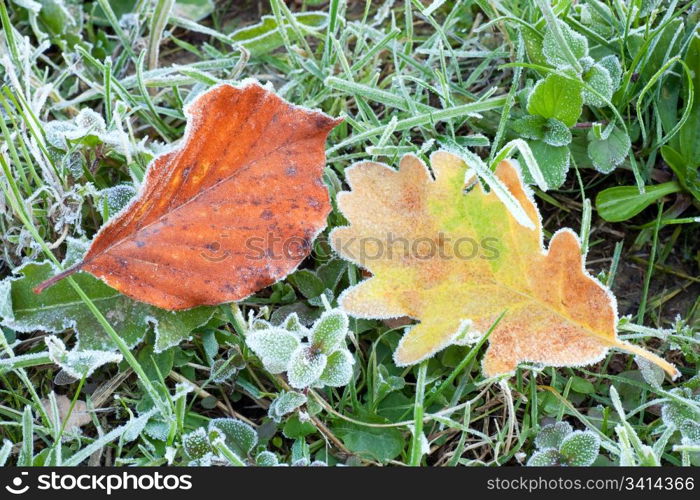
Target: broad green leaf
{"x": 307, "y": 283}
{"x": 533, "y": 45}
{"x": 553, "y": 51}
{"x": 332, "y": 272}
{"x": 612, "y": 65}
{"x": 196, "y": 444}
{"x": 381, "y": 444}
{"x": 553, "y": 162}
{"x": 60, "y": 308}
{"x": 172, "y": 327}
{"x": 676, "y": 412}
{"x": 608, "y": 153}
{"x": 294, "y": 428}
{"x": 293, "y": 324}
{"x": 266, "y": 459}
{"x": 264, "y": 37}
{"x": 620, "y": 203}
{"x": 284, "y": 404}
{"x": 223, "y": 370}
{"x": 530, "y": 127}
{"x": 556, "y": 133}
{"x": 556, "y": 97}
{"x": 582, "y": 386}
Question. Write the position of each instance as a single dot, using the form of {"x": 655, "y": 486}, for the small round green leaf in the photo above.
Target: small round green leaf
{"x": 338, "y": 371}
{"x": 329, "y": 331}
{"x": 556, "y": 97}
{"x": 552, "y": 435}
{"x": 598, "y": 78}
{"x": 240, "y": 437}
{"x": 608, "y": 153}
{"x": 305, "y": 367}
{"x": 196, "y": 444}
{"x": 274, "y": 347}
{"x": 555, "y": 53}
{"x": 580, "y": 448}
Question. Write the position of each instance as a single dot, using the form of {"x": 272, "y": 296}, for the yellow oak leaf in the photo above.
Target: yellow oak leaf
{"x": 444, "y": 251}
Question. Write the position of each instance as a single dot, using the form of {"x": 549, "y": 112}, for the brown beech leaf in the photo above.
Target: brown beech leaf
{"x": 232, "y": 210}
{"x": 446, "y": 252}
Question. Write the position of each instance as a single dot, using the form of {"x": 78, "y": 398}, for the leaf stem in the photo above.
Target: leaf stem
{"x": 56, "y": 278}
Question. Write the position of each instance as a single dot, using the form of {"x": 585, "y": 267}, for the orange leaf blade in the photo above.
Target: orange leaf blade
{"x": 231, "y": 211}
